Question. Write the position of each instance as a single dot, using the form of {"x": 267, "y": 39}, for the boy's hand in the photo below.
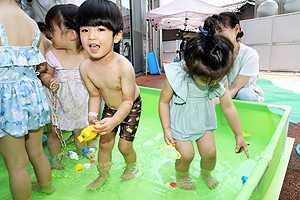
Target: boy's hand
{"x": 53, "y": 84}
{"x": 241, "y": 145}
{"x": 106, "y": 126}
{"x": 168, "y": 137}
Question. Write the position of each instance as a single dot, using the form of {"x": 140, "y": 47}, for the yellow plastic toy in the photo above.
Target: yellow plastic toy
{"x": 79, "y": 168}
{"x": 87, "y": 134}
{"x": 247, "y": 134}
{"x": 169, "y": 150}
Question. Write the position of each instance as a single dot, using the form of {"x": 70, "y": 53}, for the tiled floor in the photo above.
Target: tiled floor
{"x": 152, "y": 81}
{"x": 291, "y": 185}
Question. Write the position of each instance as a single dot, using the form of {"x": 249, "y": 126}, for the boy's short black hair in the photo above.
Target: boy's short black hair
{"x": 100, "y": 13}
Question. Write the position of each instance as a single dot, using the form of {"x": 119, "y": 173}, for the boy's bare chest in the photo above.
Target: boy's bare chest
{"x": 107, "y": 80}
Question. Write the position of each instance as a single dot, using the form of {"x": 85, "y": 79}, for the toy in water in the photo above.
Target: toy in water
{"x": 247, "y": 134}
{"x": 173, "y": 184}
{"x": 298, "y": 149}
{"x": 87, "y": 165}
{"x": 87, "y": 134}
{"x": 60, "y": 176}
{"x": 79, "y": 168}
{"x": 92, "y": 150}
{"x": 73, "y": 155}
{"x": 244, "y": 179}
{"x": 169, "y": 150}
{"x": 85, "y": 151}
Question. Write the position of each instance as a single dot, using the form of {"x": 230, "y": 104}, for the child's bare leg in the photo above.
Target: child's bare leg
{"x": 93, "y": 143}
{"x": 81, "y": 145}
{"x": 207, "y": 149}
{"x": 106, "y": 144}
{"x": 129, "y": 154}
{"x": 39, "y": 161}
{"x": 14, "y": 153}
{"x": 182, "y": 165}
{"x": 103, "y": 169}
{"x": 54, "y": 146}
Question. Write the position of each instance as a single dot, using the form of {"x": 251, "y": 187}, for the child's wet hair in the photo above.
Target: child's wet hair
{"x": 100, "y": 13}
{"x": 209, "y": 56}
{"x": 64, "y": 15}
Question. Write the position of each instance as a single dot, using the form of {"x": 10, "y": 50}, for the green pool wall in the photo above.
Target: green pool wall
{"x": 254, "y": 118}
{"x": 257, "y": 118}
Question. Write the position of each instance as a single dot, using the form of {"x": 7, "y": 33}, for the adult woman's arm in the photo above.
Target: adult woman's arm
{"x": 238, "y": 84}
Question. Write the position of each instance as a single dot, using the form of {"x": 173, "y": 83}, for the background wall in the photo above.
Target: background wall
{"x": 265, "y": 8}
{"x": 276, "y": 39}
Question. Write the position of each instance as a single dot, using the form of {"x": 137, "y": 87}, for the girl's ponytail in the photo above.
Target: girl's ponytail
{"x": 211, "y": 25}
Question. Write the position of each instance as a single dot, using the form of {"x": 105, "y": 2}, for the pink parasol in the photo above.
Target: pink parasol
{"x": 182, "y": 14}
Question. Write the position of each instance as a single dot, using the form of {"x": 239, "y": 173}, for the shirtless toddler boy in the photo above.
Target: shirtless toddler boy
{"x": 111, "y": 76}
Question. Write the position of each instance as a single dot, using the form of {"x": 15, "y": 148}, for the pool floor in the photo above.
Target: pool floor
{"x": 156, "y": 170}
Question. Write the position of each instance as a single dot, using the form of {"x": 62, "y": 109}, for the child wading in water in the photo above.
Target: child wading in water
{"x": 23, "y": 107}
{"x": 186, "y": 110}
{"x": 113, "y": 76}
{"x": 63, "y": 72}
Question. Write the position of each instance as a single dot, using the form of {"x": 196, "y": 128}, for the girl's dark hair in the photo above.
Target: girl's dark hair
{"x": 100, "y": 13}
{"x": 64, "y": 15}
{"x": 209, "y": 55}
{"x": 228, "y": 20}
{"x": 43, "y": 28}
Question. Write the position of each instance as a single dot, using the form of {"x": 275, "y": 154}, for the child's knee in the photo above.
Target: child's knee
{"x": 107, "y": 146}
{"x": 187, "y": 158}
{"x": 125, "y": 148}
{"x": 18, "y": 164}
{"x": 209, "y": 155}
{"x": 33, "y": 154}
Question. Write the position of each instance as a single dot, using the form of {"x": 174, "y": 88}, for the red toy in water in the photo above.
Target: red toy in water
{"x": 173, "y": 184}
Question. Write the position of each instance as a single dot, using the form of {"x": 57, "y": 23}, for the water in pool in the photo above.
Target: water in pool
{"x": 156, "y": 170}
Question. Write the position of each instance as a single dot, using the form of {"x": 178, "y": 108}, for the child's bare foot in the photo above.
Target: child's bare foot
{"x": 184, "y": 181}
{"x": 55, "y": 164}
{"x": 211, "y": 181}
{"x": 90, "y": 155}
{"x": 44, "y": 188}
{"x": 97, "y": 183}
{"x": 130, "y": 172}
{"x": 57, "y": 167}
{"x": 103, "y": 169}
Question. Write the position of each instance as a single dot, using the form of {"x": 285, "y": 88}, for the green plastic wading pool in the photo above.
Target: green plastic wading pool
{"x": 156, "y": 170}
